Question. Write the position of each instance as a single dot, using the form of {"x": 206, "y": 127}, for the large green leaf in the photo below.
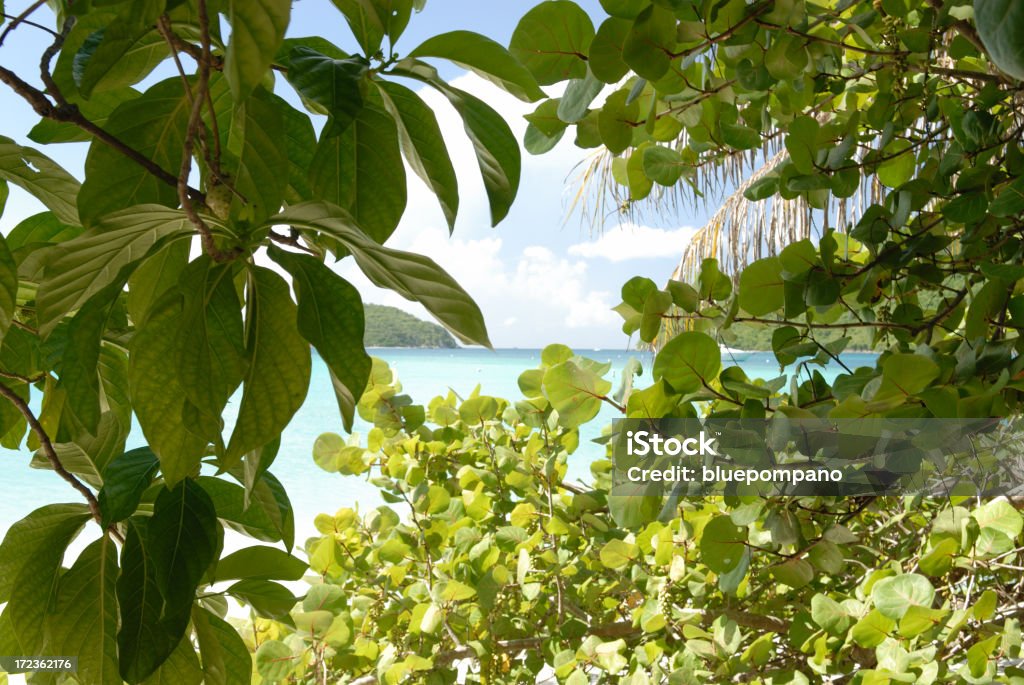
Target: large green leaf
{"x": 999, "y": 515}
{"x": 211, "y": 348}
{"x": 181, "y": 667}
{"x": 331, "y": 319}
{"x": 412, "y": 276}
{"x": 28, "y": 537}
{"x": 143, "y": 640}
{"x": 257, "y": 139}
{"x": 606, "y": 50}
{"x": 575, "y": 103}
{"x": 125, "y": 479}
{"x": 335, "y": 84}
{"x": 79, "y": 268}
{"x": 46, "y": 180}
{"x": 497, "y": 150}
{"x": 279, "y": 366}
{"x": 74, "y": 459}
{"x": 84, "y": 622}
{"x": 154, "y": 277}
{"x": 423, "y": 145}
{"x": 8, "y": 287}
{"x": 663, "y": 165}
{"x": 35, "y": 584}
{"x": 300, "y": 143}
{"x": 257, "y": 30}
{"x": 1001, "y": 27}
{"x": 689, "y": 361}
{"x": 225, "y": 657}
{"x": 267, "y": 598}
{"x": 156, "y": 392}
{"x": 552, "y": 41}
{"x": 154, "y": 124}
{"x": 361, "y": 169}
{"x": 265, "y": 493}
{"x": 496, "y": 147}
{"x": 485, "y": 57}
{"x": 250, "y": 518}
{"x": 182, "y": 541}
{"x": 365, "y": 21}
{"x": 119, "y": 55}
{"x": 395, "y": 15}
{"x": 906, "y": 374}
{"x": 79, "y": 369}
{"x": 259, "y": 563}
{"x": 274, "y": 659}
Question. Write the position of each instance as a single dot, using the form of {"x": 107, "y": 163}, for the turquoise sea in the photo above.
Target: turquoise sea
{"x": 423, "y": 374}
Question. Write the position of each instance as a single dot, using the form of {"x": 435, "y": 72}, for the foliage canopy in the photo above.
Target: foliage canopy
{"x": 887, "y": 198}
{"x": 207, "y": 129}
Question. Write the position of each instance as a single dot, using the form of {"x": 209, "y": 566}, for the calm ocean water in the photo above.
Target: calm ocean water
{"x": 424, "y": 374}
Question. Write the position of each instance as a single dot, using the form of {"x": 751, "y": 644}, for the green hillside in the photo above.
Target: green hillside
{"x": 391, "y": 327}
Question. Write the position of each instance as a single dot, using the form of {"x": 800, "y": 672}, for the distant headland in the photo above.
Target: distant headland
{"x": 391, "y": 327}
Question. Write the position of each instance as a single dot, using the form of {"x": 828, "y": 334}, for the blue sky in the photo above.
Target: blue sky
{"x": 537, "y": 277}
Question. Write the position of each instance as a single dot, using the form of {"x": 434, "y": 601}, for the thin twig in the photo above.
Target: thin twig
{"x": 30, "y": 23}
{"x": 70, "y": 114}
{"x": 195, "y": 121}
{"x": 293, "y": 242}
{"x": 23, "y": 379}
{"x": 21, "y": 18}
{"x": 46, "y": 446}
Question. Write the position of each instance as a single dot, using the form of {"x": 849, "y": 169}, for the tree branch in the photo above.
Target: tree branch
{"x": 195, "y": 121}
{"x": 66, "y": 112}
{"x": 292, "y": 241}
{"x": 46, "y": 447}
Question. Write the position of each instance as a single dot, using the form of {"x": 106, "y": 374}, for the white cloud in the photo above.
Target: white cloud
{"x": 536, "y": 292}
{"x": 628, "y": 241}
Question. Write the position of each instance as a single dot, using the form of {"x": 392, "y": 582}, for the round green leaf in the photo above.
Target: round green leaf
{"x": 762, "y": 289}
{"x": 795, "y": 573}
{"x": 650, "y": 42}
{"x": 899, "y": 168}
{"x": 274, "y": 661}
{"x": 894, "y": 596}
{"x": 618, "y": 553}
{"x": 721, "y": 544}
{"x": 999, "y": 515}
{"x": 1001, "y": 27}
{"x": 552, "y": 41}
{"x": 606, "y": 50}
{"x": 662, "y": 165}
{"x": 689, "y": 361}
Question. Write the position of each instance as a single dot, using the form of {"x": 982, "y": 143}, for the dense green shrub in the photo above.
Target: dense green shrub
{"x": 875, "y": 151}
{"x": 486, "y": 553}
